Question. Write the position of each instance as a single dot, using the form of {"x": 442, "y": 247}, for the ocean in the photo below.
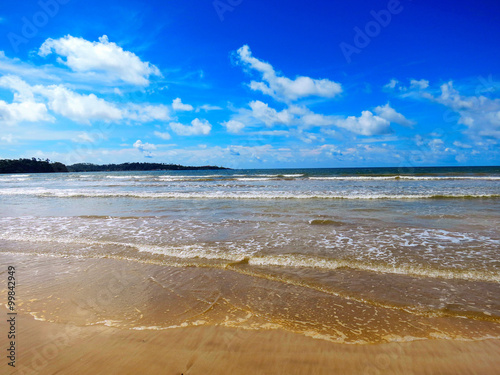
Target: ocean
{"x": 354, "y": 256}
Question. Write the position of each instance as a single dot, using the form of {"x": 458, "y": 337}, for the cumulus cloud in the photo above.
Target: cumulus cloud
{"x": 24, "y": 107}
{"x": 197, "y": 127}
{"x": 78, "y": 107}
{"x": 310, "y": 119}
{"x": 31, "y": 103}
{"x": 22, "y": 90}
{"x": 102, "y": 57}
{"x": 29, "y": 111}
{"x": 283, "y": 88}
{"x": 208, "y": 107}
{"x": 178, "y": 105}
{"x": 388, "y": 113}
{"x": 292, "y": 116}
{"x": 145, "y": 148}
{"x": 480, "y": 114}
{"x": 392, "y": 84}
{"x": 269, "y": 116}
{"x": 298, "y": 118}
{"x": 452, "y": 98}
{"x": 166, "y": 136}
{"x": 366, "y": 124}
{"x": 421, "y": 84}
{"x": 233, "y": 126}
{"x": 146, "y": 112}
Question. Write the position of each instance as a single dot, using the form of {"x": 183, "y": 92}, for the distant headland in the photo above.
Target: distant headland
{"x": 34, "y": 165}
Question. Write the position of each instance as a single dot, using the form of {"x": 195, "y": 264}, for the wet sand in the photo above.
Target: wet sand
{"x": 101, "y": 316}
{"x": 51, "y": 348}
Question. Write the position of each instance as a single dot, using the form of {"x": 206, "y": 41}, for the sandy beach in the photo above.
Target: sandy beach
{"x": 73, "y": 346}
{"x": 236, "y": 187}
{"x": 51, "y": 348}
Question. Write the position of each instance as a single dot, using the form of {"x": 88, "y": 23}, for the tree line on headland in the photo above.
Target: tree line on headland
{"x": 31, "y": 166}
{"x": 34, "y": 165}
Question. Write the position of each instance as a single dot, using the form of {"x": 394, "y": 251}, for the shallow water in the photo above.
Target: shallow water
{"x": 354, "y": 255}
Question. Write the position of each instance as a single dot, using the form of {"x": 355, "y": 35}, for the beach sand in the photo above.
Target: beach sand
{"x": 51, "y": 348}
{"x": 56, "y": 336}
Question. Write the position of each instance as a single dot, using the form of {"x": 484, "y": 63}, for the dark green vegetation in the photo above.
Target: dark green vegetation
{"x": 87, "y": 167}
{"x": 46, "y": 166}
{"x": 31, "y": 166}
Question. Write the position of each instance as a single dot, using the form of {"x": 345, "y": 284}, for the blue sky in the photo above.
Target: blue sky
{"x": 251, "y": 83}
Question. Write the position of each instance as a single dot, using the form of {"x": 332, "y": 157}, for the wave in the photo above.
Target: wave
{"x": 132, "y": 176}
{"x": 410, "y": 178}
{"x": 69, "y": 193}
{"x": 231, "y": 258}
{"x": 303, "y": 261}
{"x": 325, "y": 222}
{"x": 14, "y": 179}
{"x": 255, "y": 179}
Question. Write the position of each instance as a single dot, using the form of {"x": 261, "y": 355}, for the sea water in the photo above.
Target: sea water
{"x": 351, "y": 255}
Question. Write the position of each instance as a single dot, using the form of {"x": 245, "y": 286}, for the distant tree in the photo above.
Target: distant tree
{"x": 30, "y": 166}
{"x": 87, "y": 167}
{"x": 46, "y": 166}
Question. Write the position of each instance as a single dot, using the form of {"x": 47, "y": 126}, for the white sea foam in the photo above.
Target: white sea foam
{"x": 410, "y": 178}
{"x": 199, "y": 252}
{"x": 223, "y": 194}
{"x": 129, "y": 177}
{"x": 255, "y": 179}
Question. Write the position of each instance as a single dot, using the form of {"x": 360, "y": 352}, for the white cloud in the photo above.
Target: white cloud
{"x": 283, "y": 88}
{"x": 208, "y": 107}
{"x": 421, "y": 84}
{"x": 165, "y": 135}
{"x": 269, "y": 116}
{"x": 102, "y": 57}
{"x": 78, "y": 107}
{"x": 308, "y": 137}
{"x": 7, "y": 138}
{"x": 315, "y": 119}
{"x": 84, "y": 137}
{"x": 177, "y": 105}
{"x": 480, "y": 114}
{"x": 461, "y": 145}
{"x": 388, "y": 113}
{"x": 452, "y": 98}
{"x": 299, "y": 118}
{"x": 22, "y": 90}
{"x": 146, "y": 112}
{"x": 273, "y": 133}
{"x": 14, "y": 113}
{"x": 31, "y": 102}
{"x": 366, "y": 124}
{"x": 24, "y": 106}
{"x": 145, "y": 148}
{"x": 16, "y": 67}
{"x": 392, "y": 84}
{"x": 233, "y": 126}
{"x": 197, "y": 127}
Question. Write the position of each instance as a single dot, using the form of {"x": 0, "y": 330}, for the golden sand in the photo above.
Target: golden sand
{"x": 51, "y": 348}
{"x": 101, "y": 316}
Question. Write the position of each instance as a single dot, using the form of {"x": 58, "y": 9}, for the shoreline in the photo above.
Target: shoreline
{"x": 65, "y": 304}
{"x": 66, "y": 349}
